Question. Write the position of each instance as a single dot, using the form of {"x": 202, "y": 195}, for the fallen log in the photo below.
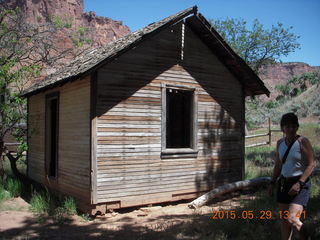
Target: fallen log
{"x": 230, "y": 187}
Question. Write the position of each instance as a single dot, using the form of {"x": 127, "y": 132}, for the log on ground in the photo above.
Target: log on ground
{"x": 230, "y": 187}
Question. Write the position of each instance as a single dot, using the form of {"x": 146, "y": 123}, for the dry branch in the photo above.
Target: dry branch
{"x": 199, "y": 202}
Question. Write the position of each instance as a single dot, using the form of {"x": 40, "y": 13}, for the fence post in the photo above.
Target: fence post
{"x": 269, "y": 131}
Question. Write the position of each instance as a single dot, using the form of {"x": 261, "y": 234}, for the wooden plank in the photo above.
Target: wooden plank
{"x": 128, "y": 130}
{"x": 129, "y": 134}
{"x": 136, "y": 176}
{"x": 129, "y": 126}
{"x": 128, "y": 122}
{"x": 109, "y": 163}
{"x": 162, "y": 171}
{"x": 129, "y": 118}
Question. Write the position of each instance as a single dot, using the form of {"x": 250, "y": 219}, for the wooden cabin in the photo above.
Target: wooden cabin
{"x": 155, "y": 116}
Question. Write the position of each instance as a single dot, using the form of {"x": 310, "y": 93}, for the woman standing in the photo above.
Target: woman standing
{"x": 294, "y": 164}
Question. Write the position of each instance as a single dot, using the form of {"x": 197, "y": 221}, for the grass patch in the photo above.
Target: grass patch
{"x": 259, "y": 161}
{"x": 311, "y": 131}
{"x": 252, "y": 171}
{"x": 40, "y": 203}
{"x": 4, "y": 194}
{"x": 21, "y": 165}
{"x": 261, "y": 156}
{"x": 47, "y": 204}
{"x": 14, "y": 187}
{"x": 69, "y": 205}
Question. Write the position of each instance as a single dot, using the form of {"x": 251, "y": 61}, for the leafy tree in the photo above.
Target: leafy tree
{"x": 257, "y": 45}
{"x": 25, "y": 49}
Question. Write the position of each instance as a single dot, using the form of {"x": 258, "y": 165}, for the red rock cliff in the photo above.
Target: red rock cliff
{"x": 101, "y": 29}
{"x": 281, "y": 73}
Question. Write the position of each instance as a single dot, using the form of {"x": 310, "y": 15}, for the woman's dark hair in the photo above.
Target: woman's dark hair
{"x": 289, "y": 118}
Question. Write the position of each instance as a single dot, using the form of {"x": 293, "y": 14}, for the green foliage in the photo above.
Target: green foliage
{"x": 59, "y": 207}
{"x": 14, "y": 187}
{"x": 259, "y": 161}
{"x": 257, "y": 45}
{"x": 69, "y": 205}
{"x": 40, "y": 203}
{"x": 4, "y": 194}
{"x": 61, "y": 23}
{"x": 283, "y": 89}
{"x": 292, "y": 98}
{"x": 308, "y": 78}
{"x": 271, "y": 104}
{"x": 79, "y": 38}
{"x": 25, "y": 50}
{"x": 255, "y": 113}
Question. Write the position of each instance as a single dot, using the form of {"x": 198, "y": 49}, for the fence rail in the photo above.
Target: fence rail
{"x": 268, "y": 133}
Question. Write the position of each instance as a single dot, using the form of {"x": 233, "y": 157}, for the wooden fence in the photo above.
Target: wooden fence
{"x": 267, "y": 134}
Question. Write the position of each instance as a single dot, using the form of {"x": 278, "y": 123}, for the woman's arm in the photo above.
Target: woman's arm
{"x": 307, "y": 152}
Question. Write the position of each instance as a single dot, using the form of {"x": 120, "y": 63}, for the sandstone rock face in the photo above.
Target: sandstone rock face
{"x": 101, "y": 29}
{"x": 280, "y": 73}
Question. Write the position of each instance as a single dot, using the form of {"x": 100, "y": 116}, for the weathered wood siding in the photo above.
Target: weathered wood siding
{"x": 74, "y": 139}
{"x": 128, "y": 149}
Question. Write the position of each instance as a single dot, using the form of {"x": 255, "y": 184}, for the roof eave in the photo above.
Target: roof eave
{"x": 232, "y": 61}
{"x": 187, "y": 12}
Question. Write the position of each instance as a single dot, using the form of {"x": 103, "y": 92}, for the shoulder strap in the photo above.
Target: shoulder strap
{"x": 287, "y": 152}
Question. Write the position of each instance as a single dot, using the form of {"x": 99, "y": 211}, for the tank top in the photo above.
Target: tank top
{"x": 295, "y": 164}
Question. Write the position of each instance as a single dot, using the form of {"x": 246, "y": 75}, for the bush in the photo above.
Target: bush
{"x": 271, "y": 104}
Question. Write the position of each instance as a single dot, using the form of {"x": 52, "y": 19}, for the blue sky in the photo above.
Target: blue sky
{"x": 302, "y": 15}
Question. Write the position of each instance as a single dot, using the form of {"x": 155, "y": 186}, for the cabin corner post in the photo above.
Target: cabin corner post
{"x": 163, "y": 116}
{"x": 93, "y": 137}
{"x": 28, "y": 137}
{"x": 243, "y": 133}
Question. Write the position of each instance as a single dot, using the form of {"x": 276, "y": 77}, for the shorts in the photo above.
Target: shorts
{"x": 284, "y": 186}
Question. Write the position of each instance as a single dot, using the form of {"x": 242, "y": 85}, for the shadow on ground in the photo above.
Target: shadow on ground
{"x": 171, "y": 226}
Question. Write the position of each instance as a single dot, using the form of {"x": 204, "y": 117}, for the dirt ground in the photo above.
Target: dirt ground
{"x": 18, "y": 222}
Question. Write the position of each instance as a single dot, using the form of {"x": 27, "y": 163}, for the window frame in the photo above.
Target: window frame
{"x": 179, "y": 152}
{"x": 48, "y": 99}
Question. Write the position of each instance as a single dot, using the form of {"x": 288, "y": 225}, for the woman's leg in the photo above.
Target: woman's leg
{"x": 286, "y": 227}
{"x": 295, "y": 211}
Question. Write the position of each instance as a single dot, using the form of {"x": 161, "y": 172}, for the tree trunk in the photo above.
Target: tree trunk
{"x": 25, "y": 180}
{"x": 1, "y": 159}
{"x": 199, "y": 202}
{"x": 13, "y": 164}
